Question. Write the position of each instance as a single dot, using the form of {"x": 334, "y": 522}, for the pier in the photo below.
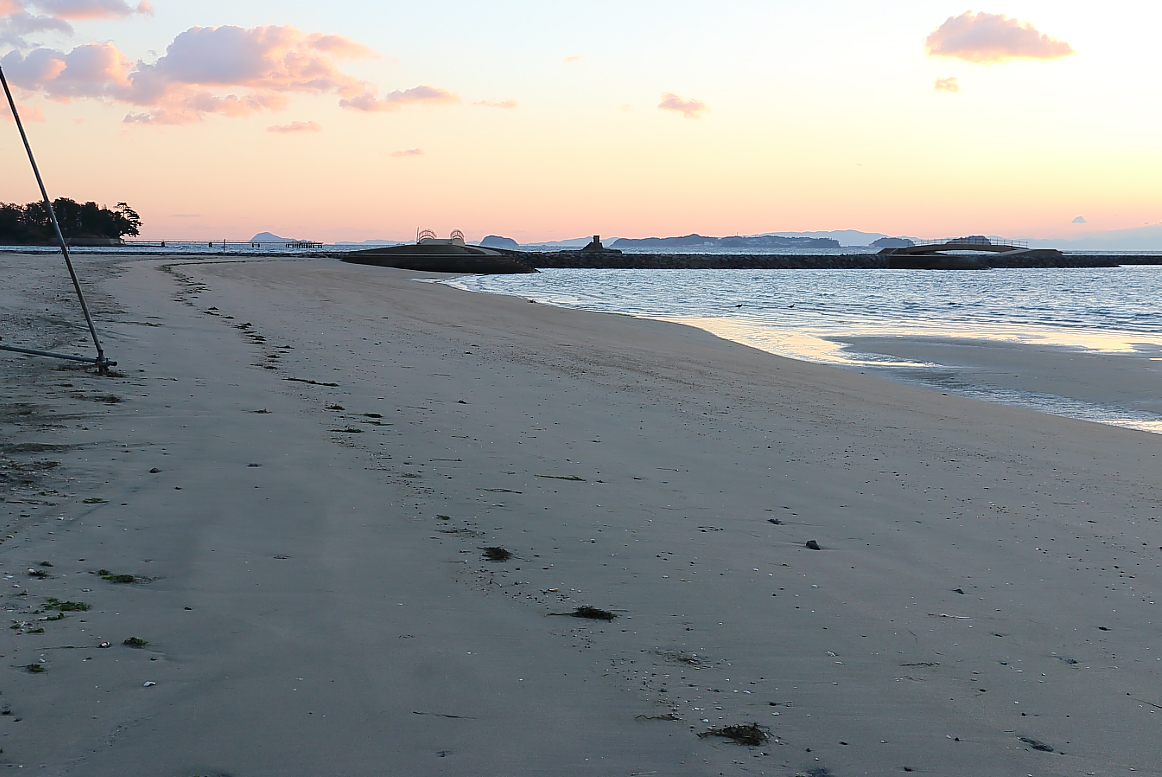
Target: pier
{"x": 962, "y": 253}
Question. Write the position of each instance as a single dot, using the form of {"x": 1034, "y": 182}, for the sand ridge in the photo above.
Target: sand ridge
{"x": 971, "y": 555}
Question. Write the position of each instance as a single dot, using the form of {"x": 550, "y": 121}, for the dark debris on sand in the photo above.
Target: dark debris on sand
{"x": 590, "y": 613}
{"x": 497, "y": 553}
{"x": 1036, "y": 744}
{"x": 749, "y": 734}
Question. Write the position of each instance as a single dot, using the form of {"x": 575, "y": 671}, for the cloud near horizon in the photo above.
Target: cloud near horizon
{"x": 947, "y": 85}
{"x": 505, "y": 104}
{"x": 295, "y": 126}
{"x": 690, "y": 108}
{"x": 28, "y": 113}
{"x": 201, "y": 71}
{"x": 987, "y": 38}
{"x": 393, "y": 101}
{"x": 408, "y": 152}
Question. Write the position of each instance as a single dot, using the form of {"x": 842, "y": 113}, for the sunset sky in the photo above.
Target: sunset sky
{"x": 541, "y": 121}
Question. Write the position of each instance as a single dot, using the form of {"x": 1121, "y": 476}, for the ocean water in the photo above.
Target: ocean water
{"x": 815, "y": 315}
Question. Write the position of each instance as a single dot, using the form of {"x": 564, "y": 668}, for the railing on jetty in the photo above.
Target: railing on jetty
{"x": 975, "y": 240}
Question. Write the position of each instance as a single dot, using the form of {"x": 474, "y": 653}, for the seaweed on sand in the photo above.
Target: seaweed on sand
{"x": 592, "y": 613}
{"x": 497, "y": 553}
{"x": 750, "y": 734}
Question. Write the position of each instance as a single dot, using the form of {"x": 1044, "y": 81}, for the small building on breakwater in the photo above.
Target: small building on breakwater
{"x": 431, "y": 254}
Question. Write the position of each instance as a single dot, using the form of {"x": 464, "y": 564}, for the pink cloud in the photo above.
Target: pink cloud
{"x": 16, "y": 22}
{"x": 947, "y": 85}
{"x": 574, "y": 58}
{"x": 397, "y": 99}
{"x": 28, "y": 113}
{"x": 985, "y": 38}
{"x": 229, "y": 71}
{"x": 340, "y": 47}
{"x": 92, "y": 70}
{"x": 296, "y": 126}
{"x": 690, "y": 108}
{"x": 408, "y": 152}
{"x": 93, "y": 9}
{"x": 496, "y": 103}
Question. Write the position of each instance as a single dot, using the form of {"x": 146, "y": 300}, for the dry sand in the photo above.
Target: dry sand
{"x": 311, "y": 582}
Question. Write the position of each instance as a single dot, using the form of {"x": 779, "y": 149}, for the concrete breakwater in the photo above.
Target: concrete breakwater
{"x": 617, "y": 261}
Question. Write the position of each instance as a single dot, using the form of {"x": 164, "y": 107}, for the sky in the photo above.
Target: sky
{"x": 543, "y": 121}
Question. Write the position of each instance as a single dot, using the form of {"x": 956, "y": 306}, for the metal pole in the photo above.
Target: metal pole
{"x": 35, "y": 352}
{"x": 101, "y": 362}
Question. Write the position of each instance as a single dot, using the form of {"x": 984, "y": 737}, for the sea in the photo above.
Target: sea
{"x": 827, "y": 316}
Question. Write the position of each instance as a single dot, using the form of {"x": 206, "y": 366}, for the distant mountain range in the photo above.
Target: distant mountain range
{"x": 836, "y": 239}
{"x": 1145, "y": 238}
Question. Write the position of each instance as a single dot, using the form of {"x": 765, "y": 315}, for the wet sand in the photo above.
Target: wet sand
{"x": 1132, "y": 381}
{"x": 310, "y": 575}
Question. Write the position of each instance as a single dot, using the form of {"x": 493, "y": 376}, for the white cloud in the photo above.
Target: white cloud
{"x": 947, "y": 85}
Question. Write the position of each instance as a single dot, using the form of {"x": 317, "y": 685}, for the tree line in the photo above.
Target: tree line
{"x": 31, "y": 225}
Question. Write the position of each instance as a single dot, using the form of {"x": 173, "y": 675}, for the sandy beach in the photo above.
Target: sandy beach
{"x": 301, "y": 463}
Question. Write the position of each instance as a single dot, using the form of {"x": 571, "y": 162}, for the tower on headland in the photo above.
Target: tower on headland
{"x": 594, "y": 245}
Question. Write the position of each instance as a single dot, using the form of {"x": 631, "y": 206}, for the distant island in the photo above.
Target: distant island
{"x": 80, "y": 223}
{"x": 892, "y": 242}
{"x": 496, "y": 241}
{"x": 270, "y": 237}
{"x": 737, "y": 241}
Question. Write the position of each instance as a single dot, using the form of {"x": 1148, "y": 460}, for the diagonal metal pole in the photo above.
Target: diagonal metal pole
{"x": 101, "y": 362}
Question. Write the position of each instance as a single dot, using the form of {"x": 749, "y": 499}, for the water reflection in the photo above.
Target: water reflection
{"x": 809, "y": 314}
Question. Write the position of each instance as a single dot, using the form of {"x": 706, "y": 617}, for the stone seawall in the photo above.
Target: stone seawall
{"x": 611, "y": 260}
